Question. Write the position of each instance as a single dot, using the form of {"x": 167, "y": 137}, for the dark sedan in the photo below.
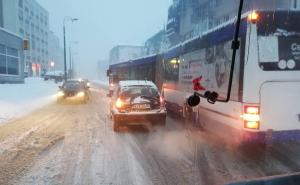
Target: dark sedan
{"x": 73, "y": 89}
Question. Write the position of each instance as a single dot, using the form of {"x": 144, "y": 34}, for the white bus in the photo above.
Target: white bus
{"x": 265, "y": 97}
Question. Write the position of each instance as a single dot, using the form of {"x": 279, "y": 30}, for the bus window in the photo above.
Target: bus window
{"x": 279, "y": 41}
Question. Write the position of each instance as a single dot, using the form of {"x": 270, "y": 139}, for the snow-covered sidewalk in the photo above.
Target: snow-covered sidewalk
{"x": 17, "y": 100}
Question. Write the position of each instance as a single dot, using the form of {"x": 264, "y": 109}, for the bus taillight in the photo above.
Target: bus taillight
{"x": 251, "y": 117}
{"x": 253, "y": 17}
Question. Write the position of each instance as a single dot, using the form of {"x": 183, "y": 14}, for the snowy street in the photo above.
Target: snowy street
{"x": 75, "y": 144}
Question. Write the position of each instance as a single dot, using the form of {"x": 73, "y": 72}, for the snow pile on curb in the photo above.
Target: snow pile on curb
{"x": 17, "y": 100}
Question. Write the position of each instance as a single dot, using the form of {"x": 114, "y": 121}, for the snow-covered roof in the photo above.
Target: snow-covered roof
{"x": 55, "y": 73}
{"x": 136, "y": 83}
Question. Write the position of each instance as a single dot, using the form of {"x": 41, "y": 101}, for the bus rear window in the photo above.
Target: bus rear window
{"x": 279, "y": 41}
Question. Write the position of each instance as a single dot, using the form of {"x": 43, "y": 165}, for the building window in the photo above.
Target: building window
{"x": 2, "y": 49}
{"x": 12, "y": 52}
{"x": 3, "y": 64}
{"x": 33, "y": 44}
{"x": 21, "y": 3}
{"x": 12, "y": 66}
{"x": 20, "y": 16}
{"x": 9, "y": 61}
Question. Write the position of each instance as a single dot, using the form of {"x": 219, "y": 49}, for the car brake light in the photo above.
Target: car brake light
{"x": 119, "y": 103}
{"x": 161, "y": 99}
{"x": 251, "y": 117}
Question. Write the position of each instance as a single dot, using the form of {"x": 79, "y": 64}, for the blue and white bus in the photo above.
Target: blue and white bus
{"x": 265, "y": 94}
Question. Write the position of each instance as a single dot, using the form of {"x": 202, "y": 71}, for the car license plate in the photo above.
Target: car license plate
{"x": 141, "y": 106}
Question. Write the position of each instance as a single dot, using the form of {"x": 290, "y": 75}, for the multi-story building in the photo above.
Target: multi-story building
{"x": 155, "y": 43}
{"x": 30, "y": 20}
{"x": 123, "y": 53}
{"x": 102, "y": 67}
{"x": 56, "y": 60}
{"x": 190, "y": 18}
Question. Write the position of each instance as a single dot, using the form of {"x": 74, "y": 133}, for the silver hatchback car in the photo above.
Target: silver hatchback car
{"x": 136, "y": 101}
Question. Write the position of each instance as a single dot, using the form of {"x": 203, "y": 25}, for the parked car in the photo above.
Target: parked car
{"x": 137, "y": 101}
{"x": 73, "y": 89}
{"x": 57, "y": 76}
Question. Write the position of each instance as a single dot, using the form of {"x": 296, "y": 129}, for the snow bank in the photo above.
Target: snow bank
{"x": 17, "y": 100}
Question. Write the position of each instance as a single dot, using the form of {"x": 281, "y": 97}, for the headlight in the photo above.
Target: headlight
{"x": 88, "y": 84}
{"x": 60, "y": 94}
{"x": 119, "y": 103}
{"x": 80, "y": 94}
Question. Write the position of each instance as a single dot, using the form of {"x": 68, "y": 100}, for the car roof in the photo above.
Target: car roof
{"x": 72, "y": 81}
{"x": 136, "y": 83}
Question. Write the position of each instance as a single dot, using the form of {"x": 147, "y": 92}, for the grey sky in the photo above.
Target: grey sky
{"x": 106, "y": 23}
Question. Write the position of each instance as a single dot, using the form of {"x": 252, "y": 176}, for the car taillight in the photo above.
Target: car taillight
{"x": 251, "y": 117}
{"x": 119, "y": 103}
{"x": 161, "y": 99}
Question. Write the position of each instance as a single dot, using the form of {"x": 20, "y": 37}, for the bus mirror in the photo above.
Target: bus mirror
{"x": 211, "y": 97}
{"x": 193, "y": 100}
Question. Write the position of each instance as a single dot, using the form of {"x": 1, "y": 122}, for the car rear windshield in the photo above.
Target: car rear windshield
{"x": 72, "y": 84}
{"x": 136, "y": 91}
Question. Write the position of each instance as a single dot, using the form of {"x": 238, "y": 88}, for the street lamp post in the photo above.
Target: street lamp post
{"x": 65, "y": 53}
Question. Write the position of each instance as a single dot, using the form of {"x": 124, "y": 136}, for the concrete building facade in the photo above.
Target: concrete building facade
{"x": 123, "y": 53}
{"x": 190, "y": 18}
{"x": 30, "y": 20}
{"x": 11, "y": 57}
{"x": 154, "y": 44}
{"x": 55, "y": 53}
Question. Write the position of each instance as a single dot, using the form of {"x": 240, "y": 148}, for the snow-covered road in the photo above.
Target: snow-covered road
{"x": 75, "y": 144}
